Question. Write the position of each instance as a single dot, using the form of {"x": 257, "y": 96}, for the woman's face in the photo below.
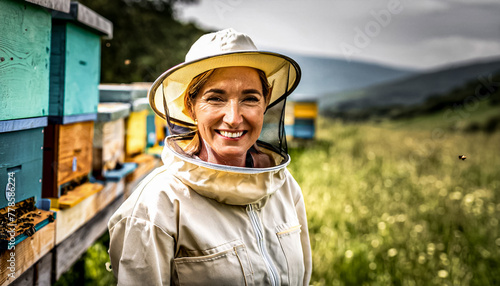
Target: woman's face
{"x": 230, "y": 112}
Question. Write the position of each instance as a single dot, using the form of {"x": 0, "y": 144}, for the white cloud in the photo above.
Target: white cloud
{"x": 446, "y": 50}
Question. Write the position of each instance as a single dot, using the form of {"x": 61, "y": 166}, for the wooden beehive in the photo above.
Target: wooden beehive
{"x": 32, "y": 235}
{"x": 24, "y": 59}
{"x": 21, "y": 153}
{"x": 67, "y": 155}
{"x": 136, "y": 128}
{"x": 75, "y": 61}
{"x": 305, "y": 110}
{"x": 109, "y": 137}
{"x": 304, "y": 121}
{"x": 136, "y": 133}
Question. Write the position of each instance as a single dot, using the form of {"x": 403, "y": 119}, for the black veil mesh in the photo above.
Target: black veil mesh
{"x": 272, "y": 136}
{"x": 273, "y": 131}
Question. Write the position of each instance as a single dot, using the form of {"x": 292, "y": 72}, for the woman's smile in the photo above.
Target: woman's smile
{"x": 231, "y": 135}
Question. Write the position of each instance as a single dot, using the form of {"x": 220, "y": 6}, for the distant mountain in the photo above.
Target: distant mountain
{"x": 409, "y": 91}
{"x": 323, "y": 75}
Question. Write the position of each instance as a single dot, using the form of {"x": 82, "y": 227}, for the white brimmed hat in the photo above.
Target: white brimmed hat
{"x": 226, "y": 48}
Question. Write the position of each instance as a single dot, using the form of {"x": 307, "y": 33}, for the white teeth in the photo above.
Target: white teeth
{"x": 231, "y": 134}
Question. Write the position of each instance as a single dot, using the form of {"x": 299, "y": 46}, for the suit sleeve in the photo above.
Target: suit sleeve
{"x": 141, "y": 253}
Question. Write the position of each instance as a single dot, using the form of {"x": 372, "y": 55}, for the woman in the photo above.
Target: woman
{"x": 223, "y": 210}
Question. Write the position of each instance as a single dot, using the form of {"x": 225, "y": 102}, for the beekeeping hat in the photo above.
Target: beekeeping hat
{"x": 226, "y": 48}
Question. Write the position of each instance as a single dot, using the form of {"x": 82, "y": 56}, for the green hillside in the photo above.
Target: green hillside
{"x": 414, "y": 90}
{"x": 324, "y": 75}
{"x": 472, "y": 106}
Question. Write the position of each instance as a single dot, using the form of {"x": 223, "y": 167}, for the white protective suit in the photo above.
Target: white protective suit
{"x": 195, "y": 223}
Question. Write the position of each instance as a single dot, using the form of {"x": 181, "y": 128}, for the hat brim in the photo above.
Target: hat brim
{"x": 283, "y": 74}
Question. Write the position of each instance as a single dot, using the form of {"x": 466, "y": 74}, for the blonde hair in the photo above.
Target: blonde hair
{"x": 194, "y": 147}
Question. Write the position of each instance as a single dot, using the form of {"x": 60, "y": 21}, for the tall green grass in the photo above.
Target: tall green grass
{"x": 388, "y": 204}
{"x": 392, "y": 206}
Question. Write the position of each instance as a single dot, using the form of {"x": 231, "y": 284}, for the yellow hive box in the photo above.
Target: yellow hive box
{"x": 136, "y": 133}
{"x": 305, "y": 110}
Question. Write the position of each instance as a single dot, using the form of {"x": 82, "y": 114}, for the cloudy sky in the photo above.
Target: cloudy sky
{"x": 418, "y": 34}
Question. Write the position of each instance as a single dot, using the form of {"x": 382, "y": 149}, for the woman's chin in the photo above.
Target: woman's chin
{"x": 232, "y": 153}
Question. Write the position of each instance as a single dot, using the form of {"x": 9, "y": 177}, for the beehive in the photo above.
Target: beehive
{"x": 67, "y": 155}
{"x": 21, "y": 153}
{"x": 136, "y": 130}
{"x": 109, "y": 137}
{"x": 305, "y": 114}
{"x": 24, "y": 60}
{"x": 75, "y": 62}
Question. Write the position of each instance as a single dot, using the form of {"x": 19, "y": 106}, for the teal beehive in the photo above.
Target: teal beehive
{"x": 24, "y": 60}
{"x": 75, "y": 63}
{"x": 21, "y": 163}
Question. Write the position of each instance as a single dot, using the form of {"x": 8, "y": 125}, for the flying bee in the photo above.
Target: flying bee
{"x": 463, "y": 157}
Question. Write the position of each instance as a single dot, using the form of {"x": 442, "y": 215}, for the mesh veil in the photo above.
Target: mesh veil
{"x": 272, "y": 136}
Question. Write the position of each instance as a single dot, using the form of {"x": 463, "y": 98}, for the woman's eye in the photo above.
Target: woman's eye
{"x": 214, "y": 99}
{"x": 251, "y": 99}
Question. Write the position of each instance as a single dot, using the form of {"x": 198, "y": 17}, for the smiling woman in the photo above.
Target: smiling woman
{"x": 223, "y": 210}
{"x": 229, "y": 111}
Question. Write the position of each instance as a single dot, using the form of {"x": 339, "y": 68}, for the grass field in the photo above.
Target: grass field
{"x": 390, "y": 204}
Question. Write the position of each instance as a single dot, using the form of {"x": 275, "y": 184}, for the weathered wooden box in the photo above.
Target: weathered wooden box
{"x": 26, "y": 235}
{"x": 21, "y": 160}
{"x": 24, "y": 60}
{"x": 109, "y": 137}
{"x": 71, "y": 219}
{"x": 75, "y": 61}
{"x": 67, "y": 155}
{"x": 28, "y": 251}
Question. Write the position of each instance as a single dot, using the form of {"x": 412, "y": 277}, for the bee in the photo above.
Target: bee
{"x": 463, "y": 157}
{"x": 30, "y": 231}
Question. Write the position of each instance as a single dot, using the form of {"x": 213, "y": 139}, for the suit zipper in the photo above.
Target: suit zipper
{"x": 257, "y": 227}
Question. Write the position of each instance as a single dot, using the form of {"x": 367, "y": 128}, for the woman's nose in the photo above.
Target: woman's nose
{"x": 232, "y": 115}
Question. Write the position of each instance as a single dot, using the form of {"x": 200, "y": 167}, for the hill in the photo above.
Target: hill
{"x": 409, "y": 91}
{"x": 324, "y": 75}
